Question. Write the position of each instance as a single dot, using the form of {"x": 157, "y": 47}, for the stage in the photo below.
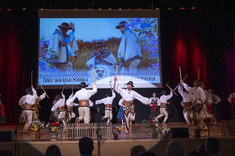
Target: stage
{"x": 25, "y": 144}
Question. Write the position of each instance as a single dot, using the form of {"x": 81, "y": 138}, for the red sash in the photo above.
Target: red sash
{"x": 154, "y": 106}
{"x": 3, "y": 113}
{"x": 209, "y": 108}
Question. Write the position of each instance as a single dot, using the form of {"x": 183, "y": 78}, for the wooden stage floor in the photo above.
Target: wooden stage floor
{"x": 24, "y": 144}
{"x": 138, "y": 131}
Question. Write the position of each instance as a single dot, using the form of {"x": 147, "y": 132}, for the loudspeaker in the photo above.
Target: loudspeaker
{"x": 180, "y": 132}
{"x": 5, "y": 136}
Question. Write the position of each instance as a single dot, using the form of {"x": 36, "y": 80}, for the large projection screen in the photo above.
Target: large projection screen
{"x": 75, "y": 45}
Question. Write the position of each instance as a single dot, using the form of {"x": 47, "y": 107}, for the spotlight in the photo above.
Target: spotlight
{"x": 8, "y": 9}
{"x": 181, "y": 8}
{"x": 157, "y": 9}
{"x": 169, "y": 8}
{"x": 23, "y": 9}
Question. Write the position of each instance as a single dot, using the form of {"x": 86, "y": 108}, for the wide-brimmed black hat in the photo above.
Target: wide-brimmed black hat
{"x": 100, "y": 44}
{"x": 65, "y": 26}
{"x": 83, "y": 85}
{"x": 121, "y": 24}
{"x": 29, "y": 91}
{"x": 130, "y": 83}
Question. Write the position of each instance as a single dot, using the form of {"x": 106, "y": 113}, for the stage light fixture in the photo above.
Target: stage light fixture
{"x": 181, "y": 8}
{"x": 8, "y": 9}
{"x": 23, "y": 9}
{"x": 169, "y": 8}
{"x": 193, "y": 7}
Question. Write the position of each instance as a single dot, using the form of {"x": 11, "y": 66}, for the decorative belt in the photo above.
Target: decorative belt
{"x": 60, "y": 109}
{"x": 28, "y": 107}
{"x": 162, "y": 104}
{"x": 69, "y": 108}
{"x": 108, "y": 106}
{"x": 83, "y": 103}
{"x": 127, "y": 103}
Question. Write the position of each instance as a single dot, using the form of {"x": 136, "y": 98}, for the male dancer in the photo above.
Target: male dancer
{"x": 36, "y": 105}
{"x": 163, "y": 102}
{"x": 186, "y": 103}
{"x": 26, "y": 102}
{"x": 128, "y": 96}
{"x": 83, "y": 96}
{"x": 108, "y": 106}
{"x": 60, "y": 107}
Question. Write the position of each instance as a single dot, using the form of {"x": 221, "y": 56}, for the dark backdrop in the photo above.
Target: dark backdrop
{"x": 201, "y": 38}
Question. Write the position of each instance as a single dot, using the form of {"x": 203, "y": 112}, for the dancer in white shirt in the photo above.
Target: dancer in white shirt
{"x": 163, "y": 102}
{"x": 60, "y": 107}
{"x": 83, "y": 96}
{"x": 108, "y": 106}
{"x": 186, "y": 103}
{"x": 26, "y": 102}
{"x": 128, "y": 96}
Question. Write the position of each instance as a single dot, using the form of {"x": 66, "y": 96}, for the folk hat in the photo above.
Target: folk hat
{"x": 83, "y": 85}
{"x": 130, "y": 83}
{"x": 65, "y": 26}
{"x": 121, "y": 24}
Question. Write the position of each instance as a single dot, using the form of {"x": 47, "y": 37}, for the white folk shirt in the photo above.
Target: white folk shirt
{"x": 130, "y": 95}
{"x": 215, "y": 99}
{"x": 107, "y": 100}
{"x": 82, "y": 94}
{"x": 59, "y": 103}
{"x": 71, "y": 104}
{"x": 28, "y": 99}
{"x": 164, "y": 98}
{"x": 198, "y": 93}
{"x": 120, "y": 103}
{"x": 187, "y": 97}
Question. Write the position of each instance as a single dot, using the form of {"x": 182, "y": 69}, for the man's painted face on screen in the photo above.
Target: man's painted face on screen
{"x": 123, "y": 29}
{"x": 64, "y": 31}
{"x": 101, "y": 49}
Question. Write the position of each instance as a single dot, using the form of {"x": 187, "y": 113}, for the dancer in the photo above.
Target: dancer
{"x": 186, "y": 103}
{"x": 108, "y": 106}
{"x": 2, "y": 112}
{"x": 59, "y": 106}
{"x": 163, "y": 102}
{"x": 213, "y": 101}
{"x": 128, "y": 96}
{"x": 120, "y": 111}
{"x": 36, "y": 106}
{"x": 69, "y": 113}
{"x": 83, "y": 96}
{"x": 153, "y": 107}
{"x": 26, "y": 102}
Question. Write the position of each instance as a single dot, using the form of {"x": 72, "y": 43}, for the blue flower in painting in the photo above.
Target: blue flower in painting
{"x": 154, "y": 55}
{"x": 138, "y": 20}
{"x": 149, "y": 68}
{"x": 42, "y": 65}
{"x": 145, "y": 47}
{"x": 154, "y": 66}
{"x": 144, "y": 25}
{"x": 47, "y": 42}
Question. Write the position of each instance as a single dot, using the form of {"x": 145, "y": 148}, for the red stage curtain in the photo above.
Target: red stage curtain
{"x": 10, "y": 69}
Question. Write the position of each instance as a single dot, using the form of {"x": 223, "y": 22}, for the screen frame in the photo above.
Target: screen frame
{"x": 100, "y": 13}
